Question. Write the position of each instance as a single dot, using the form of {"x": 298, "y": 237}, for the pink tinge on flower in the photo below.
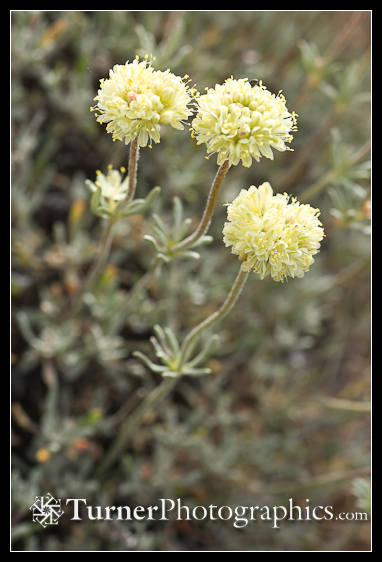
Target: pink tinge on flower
{"x": 241, "y": 122}
{"x": 136, "y": 99}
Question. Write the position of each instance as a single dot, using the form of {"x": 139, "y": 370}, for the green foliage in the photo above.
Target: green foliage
{"x": 168, "y": 351}
{"x": 260, "y": 426}
{"x": 166, "y": 237}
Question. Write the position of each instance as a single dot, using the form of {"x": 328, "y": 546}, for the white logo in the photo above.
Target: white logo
{"x": 46, "y": 510}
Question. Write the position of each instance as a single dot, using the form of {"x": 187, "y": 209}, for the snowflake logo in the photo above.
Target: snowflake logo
{"x": 46, "y": 510}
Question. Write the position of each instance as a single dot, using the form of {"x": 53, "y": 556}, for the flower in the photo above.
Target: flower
{"x": 113, "y": 186}
{"x": 239, "y": 121}
{"x": 136, "y": 99}
{"x": 270, "y": 234}
{"x": 108, "y": 190}
{"x": 111, "y": 198}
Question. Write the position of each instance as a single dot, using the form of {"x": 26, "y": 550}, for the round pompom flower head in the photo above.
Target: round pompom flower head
{"x": 272, "y": 234}
{"x": 239, "y": 121}
{"x": 136, "y": 99}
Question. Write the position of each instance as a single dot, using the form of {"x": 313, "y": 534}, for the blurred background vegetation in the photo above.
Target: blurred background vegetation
{"x": 285, "y": 412}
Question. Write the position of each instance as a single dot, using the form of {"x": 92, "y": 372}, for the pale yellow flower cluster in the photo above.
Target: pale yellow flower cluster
{"x": 136, "y": 99}
{"x": 270, "y": 234}
{"x": 239, "y": 121}
{"x": 113, "y": 185}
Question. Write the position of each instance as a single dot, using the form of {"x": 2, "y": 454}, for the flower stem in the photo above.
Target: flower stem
{"x": 225, "y": 308}
{"x": 161, "y": 391}
{"x": 107, "y": 236}
{"x": 132, "y": 422}
{"x": 208, "y": 211}
{"x": 132, "y": 171}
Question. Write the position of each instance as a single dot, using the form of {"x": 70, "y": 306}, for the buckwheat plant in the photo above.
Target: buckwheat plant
{"x": 239, "y": 122}
{"x": 134, "y": 102}
{"x": 272, "y": 234}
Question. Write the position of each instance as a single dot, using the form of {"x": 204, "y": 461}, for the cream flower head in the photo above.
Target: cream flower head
{"x": 136, "y": 99}
{"x": 239, "y": 121}
{"x": 113, "y": 185}
{"x": 270, "y": 234}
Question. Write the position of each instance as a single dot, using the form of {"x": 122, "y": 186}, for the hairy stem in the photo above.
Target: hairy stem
{"x": 161, "y": 391}
{"x": 107, "y": 237}
{"x": 225, "y": 308}
{"x": 208, "y": 211}
{"x": 132, "y": 171}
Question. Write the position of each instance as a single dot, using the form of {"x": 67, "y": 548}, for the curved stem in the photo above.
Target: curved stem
{"x": 158, "y": 393}
{"x": 131, "y": 423}
{"x": 208, "y": 211}
{"x": 226, "y": 307}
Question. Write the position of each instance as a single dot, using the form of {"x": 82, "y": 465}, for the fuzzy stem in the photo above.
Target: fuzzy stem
{"x": 208, "y": 211}
{"x": 132, "y": 422}
{"x": 225, "y": 308}
{"x": 132, "y": 171}
{"x": 107, "y": 237}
